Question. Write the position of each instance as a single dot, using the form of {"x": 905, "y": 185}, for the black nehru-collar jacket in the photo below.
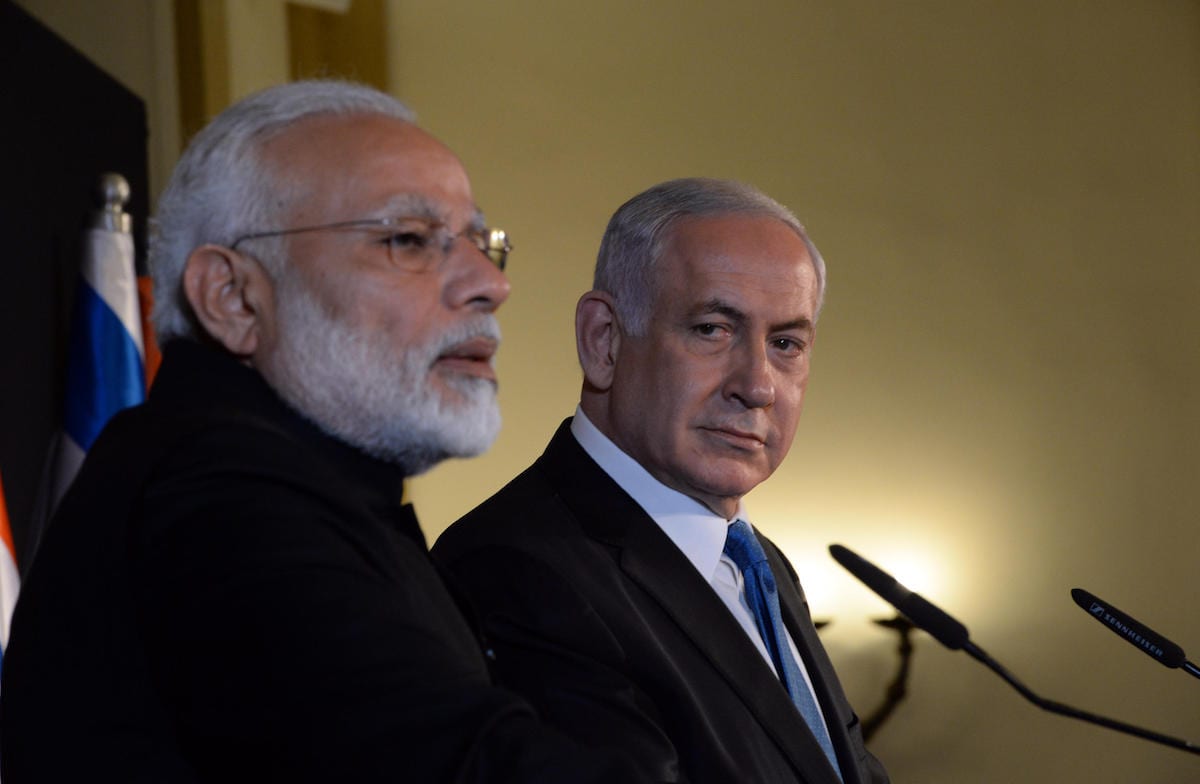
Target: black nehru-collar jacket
{"x": 229, "y": 594}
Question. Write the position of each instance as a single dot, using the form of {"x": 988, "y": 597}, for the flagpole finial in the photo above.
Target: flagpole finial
{"x": 112, "y": 191}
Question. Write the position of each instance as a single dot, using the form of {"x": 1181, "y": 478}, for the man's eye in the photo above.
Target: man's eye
{"x": 408, "y": 239}
{"x": 788, "y": 345}
{"x": 709, "y": 330}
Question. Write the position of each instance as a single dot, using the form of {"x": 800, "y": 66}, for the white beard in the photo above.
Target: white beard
{"x": 359, "y": 387}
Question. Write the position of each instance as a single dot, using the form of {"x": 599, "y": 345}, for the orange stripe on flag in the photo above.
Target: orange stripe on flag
{"x": 5, "y": 530}
{"x": 146, "y": 304}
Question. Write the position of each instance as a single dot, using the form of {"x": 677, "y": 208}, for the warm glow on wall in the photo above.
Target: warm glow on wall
{"x": 929, "y": 567}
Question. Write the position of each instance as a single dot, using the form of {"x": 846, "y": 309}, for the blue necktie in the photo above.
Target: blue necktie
{"x": 742, "y": 546}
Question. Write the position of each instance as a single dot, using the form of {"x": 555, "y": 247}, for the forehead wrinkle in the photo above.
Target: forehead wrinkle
{"x": 734, "y": 313}
{"x": 720, "y": 307}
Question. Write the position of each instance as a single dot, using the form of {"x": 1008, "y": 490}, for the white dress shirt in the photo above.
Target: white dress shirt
{"x": 694, "y": 528}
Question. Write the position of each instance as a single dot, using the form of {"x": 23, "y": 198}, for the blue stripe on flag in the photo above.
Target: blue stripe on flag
{"x": 104, "y": 369}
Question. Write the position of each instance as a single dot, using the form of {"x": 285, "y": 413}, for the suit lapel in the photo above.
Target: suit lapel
{"x": 650, "y": 559}
{"x": 797, "y": 619}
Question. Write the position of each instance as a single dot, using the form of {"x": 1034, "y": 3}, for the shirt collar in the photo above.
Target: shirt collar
{"x": 695, "y": 529}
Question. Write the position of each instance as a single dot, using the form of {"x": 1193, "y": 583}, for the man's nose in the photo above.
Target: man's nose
{"x": 474, "y": 280}
{"x": 751, "y": 378}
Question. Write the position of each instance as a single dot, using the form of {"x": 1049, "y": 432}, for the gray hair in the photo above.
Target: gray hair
{"x": 638, "y": 233}
{"x": 222, "y": 188}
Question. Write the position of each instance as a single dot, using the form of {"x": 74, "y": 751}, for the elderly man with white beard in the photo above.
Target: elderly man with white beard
{"x": 232, "y": 590}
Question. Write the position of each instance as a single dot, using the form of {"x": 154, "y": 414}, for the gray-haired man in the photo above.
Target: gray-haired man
{"x": 618, "y": 579}
{"x": 232, "y": 590}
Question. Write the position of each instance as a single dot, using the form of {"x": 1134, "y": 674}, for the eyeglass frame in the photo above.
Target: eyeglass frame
{"x": 494, "y": 244}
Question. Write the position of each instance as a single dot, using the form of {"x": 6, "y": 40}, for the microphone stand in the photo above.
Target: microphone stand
{"x": 897, "y": 690}
{"x": 953, "y": 634}
{"x": 1059, "y": 708}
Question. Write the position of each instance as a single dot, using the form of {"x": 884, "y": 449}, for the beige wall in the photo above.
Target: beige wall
{"x": 1007, "y": 375}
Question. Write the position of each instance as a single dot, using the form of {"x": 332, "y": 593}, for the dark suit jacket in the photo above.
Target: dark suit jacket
{"x": 602, "y": 622}
{"x": 227, "y": 594}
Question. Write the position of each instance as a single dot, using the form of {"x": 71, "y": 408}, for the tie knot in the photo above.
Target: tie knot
{"x": 742, "y": 546}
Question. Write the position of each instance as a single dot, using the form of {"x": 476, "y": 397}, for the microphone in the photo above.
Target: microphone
{"x": 1136, "y": 634}
{"x": 923, "y": 613}
{"x": 953, "y": 634}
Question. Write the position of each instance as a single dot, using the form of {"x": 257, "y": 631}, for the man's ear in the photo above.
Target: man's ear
{"x": 597, "y": 338}
{"x": 231, "y": 296}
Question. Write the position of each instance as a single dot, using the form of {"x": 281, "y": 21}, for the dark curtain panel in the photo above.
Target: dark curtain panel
{"x": 63, "y": 122}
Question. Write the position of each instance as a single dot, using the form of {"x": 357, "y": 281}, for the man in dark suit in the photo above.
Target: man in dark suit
{"x": 619, "y": 583}
{"x": 232, "y": 590}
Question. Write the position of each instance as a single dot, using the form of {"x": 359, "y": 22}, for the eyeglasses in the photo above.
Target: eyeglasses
{"x": 414, "y": 244}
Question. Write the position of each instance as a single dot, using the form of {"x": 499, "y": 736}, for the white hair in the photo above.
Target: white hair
{"x": 638, "y": 233}
{"x": 357, "y": 385}
{"x": 221, "y": 188}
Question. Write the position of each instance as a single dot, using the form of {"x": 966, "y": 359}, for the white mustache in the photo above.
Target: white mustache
{"x": 483, "y": 326}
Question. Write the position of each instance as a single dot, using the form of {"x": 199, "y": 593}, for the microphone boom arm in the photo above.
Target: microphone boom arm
{"x": 953, "y": 634}
{"x": 1061, "y": 709}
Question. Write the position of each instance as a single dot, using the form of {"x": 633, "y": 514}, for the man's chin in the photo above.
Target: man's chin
{"x": 445, "y": 435}
{"x": 731, "y": 479}
{"x": 470, "y": 426}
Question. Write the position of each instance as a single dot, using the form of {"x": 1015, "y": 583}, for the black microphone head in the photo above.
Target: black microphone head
{"x": 1136, "y": 634}
{"x": 927, "y": 616}
{"x": 867, "y": 573}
